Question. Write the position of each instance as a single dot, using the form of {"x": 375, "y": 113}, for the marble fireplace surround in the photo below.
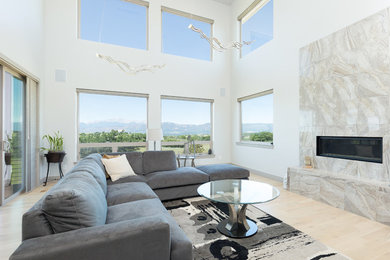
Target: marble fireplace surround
{"x": 345, "y": 91}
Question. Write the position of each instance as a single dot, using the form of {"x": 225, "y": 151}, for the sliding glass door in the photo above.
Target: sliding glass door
{"x": 13, "y": 133}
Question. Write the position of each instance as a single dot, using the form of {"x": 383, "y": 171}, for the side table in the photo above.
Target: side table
{"x": 185, "y": 158}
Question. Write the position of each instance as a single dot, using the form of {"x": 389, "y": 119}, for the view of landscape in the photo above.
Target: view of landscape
{"x": 257, "y": 119}
{"x": 182, "y": 121}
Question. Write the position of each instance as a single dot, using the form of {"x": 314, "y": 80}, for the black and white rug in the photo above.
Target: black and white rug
{"x": 199, "y": 217}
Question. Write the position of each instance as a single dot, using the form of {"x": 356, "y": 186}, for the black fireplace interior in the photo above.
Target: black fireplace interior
{"x": 368, "y": 149}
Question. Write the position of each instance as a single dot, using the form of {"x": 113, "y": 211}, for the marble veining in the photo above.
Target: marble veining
{"x": 345, "y": 91}
{"x": 363, "y": 196}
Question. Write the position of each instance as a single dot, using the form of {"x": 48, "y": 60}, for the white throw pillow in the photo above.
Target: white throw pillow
{"x": 118, "y": 167}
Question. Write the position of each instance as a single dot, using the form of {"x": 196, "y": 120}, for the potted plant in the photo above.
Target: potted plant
{"x": 7, "y": 154}
{"x": 55, "y": 152}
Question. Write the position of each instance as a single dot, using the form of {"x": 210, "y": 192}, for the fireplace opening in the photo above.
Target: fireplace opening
{"x": 367, "y": 149}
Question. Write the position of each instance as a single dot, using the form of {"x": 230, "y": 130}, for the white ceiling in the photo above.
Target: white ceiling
{"x": 226, "y": 2}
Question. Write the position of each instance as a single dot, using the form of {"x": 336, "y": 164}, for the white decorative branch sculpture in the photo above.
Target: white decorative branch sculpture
{"x": 216, "y": 44}
{"x": 126, "y": 68}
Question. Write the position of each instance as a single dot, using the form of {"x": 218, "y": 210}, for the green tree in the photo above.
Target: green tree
{"x": 114, "y": 136}
{"x": 262, "y": 137}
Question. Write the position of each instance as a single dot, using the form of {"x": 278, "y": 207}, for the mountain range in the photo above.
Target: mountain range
{"x": 169, "y": 128}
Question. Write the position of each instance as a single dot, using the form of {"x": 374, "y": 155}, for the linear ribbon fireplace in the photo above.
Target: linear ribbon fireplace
{"x": 368, "y": 149}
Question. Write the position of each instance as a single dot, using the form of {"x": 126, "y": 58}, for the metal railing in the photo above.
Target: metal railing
{"x": 114, "y": 146}
{"x": 111, "y": 145}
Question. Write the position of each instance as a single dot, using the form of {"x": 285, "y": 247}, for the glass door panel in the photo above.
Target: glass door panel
{"x": 14, "y": 134}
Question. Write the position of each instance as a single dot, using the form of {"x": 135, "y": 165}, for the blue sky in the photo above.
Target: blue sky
{"x": 123, "y": 23}
{"x": 185, "y": 112}
{"x": 258, "y": 110}
{"x": 258, "y": 28}
{"x": 94, "y": 107}
{"x": 177, "y": 39}
{"x": 115, "y": 22}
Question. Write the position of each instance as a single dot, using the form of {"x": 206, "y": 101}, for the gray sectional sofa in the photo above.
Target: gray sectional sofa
{"x": 85, "y": 216}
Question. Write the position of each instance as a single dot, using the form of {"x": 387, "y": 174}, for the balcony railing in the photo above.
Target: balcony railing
{"x": 87, "y": 148}
{"x": 178, "y": 146}
{"x": 112, "y": 147}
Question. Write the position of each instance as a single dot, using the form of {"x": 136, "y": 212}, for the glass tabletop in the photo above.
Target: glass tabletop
{"x": 238, "y": 191}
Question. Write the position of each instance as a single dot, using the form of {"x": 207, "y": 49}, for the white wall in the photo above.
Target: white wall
{"x": 22, "y": 36}
{"x": 21, "y": 33}
{"x": 276, "y": 65}
{"x": 181, "y": 76}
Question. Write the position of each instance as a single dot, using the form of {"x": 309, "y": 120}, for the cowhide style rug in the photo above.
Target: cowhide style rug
{"x": 199, "y": 217}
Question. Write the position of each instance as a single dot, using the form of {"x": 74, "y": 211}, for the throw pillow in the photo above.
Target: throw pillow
{"x": 118, "y": 167}
{"x": 107, "y": 156}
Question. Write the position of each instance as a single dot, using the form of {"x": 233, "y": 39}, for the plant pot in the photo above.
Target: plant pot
{"x": 7, "y": 158}
{"x": 55, "y": 157}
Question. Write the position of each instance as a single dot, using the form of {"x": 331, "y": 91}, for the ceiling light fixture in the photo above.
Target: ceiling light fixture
{"x": 132, "y": 70}
{"x": 216, "y": 44}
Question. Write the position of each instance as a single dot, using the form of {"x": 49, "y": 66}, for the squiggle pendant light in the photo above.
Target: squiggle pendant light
{"x": 123, "y": 66}
{"x": 216, "y": 44}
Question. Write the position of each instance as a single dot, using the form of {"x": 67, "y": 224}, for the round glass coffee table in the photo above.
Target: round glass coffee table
{"x": 237, "y": 194}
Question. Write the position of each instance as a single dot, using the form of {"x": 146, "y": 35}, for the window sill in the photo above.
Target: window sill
{"x": 256, "y": 144}
{"x": 205, "y": 156}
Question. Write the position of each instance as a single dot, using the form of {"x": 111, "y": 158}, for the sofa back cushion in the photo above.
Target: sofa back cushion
{"x": 91, "y": 164}
{"x": 78, "y": 202}
{"x": 97, "y": 158}
{"x": 155, "y": 161}
{"x": 35, "y": 223}
{"x": 135, "y": 160}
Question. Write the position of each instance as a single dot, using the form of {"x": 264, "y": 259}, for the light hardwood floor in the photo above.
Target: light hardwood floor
{"x": 352, "y": 235}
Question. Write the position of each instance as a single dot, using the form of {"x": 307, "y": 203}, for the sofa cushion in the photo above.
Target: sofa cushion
{"x": 224, "y": 171}
{"x": 128, "y": 192}
{"x": 154, "y": 161}
{"x": 179, "y": 177}
{"x": 77, "y": 202}
{"x": 134, "y": 210}
{"x": 35, "y": 223}
{"x": 89, "y": 165}
{"x": 135, "y": 160}
{"x": 181, "y": 246}
{"x": 135, "y": 178}
{"x": 97, "y": 158}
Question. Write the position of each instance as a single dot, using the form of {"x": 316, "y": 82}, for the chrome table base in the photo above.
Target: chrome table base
{"x": 237, "y": 225}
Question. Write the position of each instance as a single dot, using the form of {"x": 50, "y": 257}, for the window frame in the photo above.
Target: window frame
{"x": 250, "y": 11}
{"x": 190, "y": 16}
{"x": 204, "y": 100}
{"x": 253, "y": 143}
{"x": 113, "y": 145}
{"x": 137, "y": 2}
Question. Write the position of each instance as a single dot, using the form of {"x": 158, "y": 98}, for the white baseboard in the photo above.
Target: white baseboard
{"x": 263, "y": 174}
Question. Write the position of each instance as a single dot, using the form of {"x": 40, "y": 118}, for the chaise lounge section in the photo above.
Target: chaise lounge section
{"x": 85, "y": 216}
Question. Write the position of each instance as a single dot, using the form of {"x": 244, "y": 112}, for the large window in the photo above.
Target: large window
{"x": 119, "y": 22}
{"x": 185, "y": 120}
{"x": 111, "y": 122}
{"x": 257, "y": 25}
{"x": 257, "y": 118}
{"x": 178, "y": 39}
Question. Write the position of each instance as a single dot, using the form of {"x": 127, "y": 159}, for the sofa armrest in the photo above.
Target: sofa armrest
{"x": 137, "y": 239}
